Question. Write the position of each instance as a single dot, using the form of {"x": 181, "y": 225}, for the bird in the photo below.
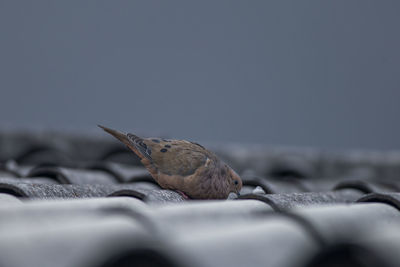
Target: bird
{"x": 184, "y": 166}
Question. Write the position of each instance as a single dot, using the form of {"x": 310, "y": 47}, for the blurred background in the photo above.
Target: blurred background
{"x": 296, "y": 73}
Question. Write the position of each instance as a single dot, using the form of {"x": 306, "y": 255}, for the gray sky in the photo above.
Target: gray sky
{"x": 304, "y": 73}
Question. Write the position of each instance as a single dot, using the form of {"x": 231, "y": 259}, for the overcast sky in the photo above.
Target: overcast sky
{"x": 297, "y": 73}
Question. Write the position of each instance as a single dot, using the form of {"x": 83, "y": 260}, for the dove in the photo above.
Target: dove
{"x": 183, "y": 166}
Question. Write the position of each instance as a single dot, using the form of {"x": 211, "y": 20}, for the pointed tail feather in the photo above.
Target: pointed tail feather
{"x": 120, "y": 136}
{"x": 127, "y": 139}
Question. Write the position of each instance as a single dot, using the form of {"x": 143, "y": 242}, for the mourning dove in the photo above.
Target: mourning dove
{"x": 183, "y": 166}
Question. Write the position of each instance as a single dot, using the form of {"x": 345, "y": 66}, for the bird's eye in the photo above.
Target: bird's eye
{"x": 236, "y": 182}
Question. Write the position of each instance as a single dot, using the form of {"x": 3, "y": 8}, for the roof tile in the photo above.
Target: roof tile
{"x": 80, "y": 200}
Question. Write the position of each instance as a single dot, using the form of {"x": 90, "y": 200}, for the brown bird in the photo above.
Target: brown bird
{"x": 183, "y": 166}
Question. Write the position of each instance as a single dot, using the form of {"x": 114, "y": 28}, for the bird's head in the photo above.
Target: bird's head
{"x": 235, "y": 181}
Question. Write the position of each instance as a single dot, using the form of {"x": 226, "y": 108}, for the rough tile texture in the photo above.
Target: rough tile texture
{"x": 77, "y": 201}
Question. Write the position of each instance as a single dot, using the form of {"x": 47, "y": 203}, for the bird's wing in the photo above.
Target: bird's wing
{"x": 170, "y": 157}
{"x": 176, "y": 157}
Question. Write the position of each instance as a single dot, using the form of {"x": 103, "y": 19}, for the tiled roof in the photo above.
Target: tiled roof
{"x": 77, "y": 201}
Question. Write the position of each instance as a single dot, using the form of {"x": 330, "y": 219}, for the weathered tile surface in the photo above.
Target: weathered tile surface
{"x": 84, "y": 201}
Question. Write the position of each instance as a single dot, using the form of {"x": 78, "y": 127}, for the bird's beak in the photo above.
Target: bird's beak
{"x": 120, "y": 136}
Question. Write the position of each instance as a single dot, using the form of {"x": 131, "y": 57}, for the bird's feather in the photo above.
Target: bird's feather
{"x": 140, "y": 145}
{"x": 183, "y": 165}
{"x": 176, "y": 157}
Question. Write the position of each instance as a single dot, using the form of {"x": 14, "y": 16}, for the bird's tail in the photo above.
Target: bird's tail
{"x": 120, "y": 136}
{"x": 132, "y": 141}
